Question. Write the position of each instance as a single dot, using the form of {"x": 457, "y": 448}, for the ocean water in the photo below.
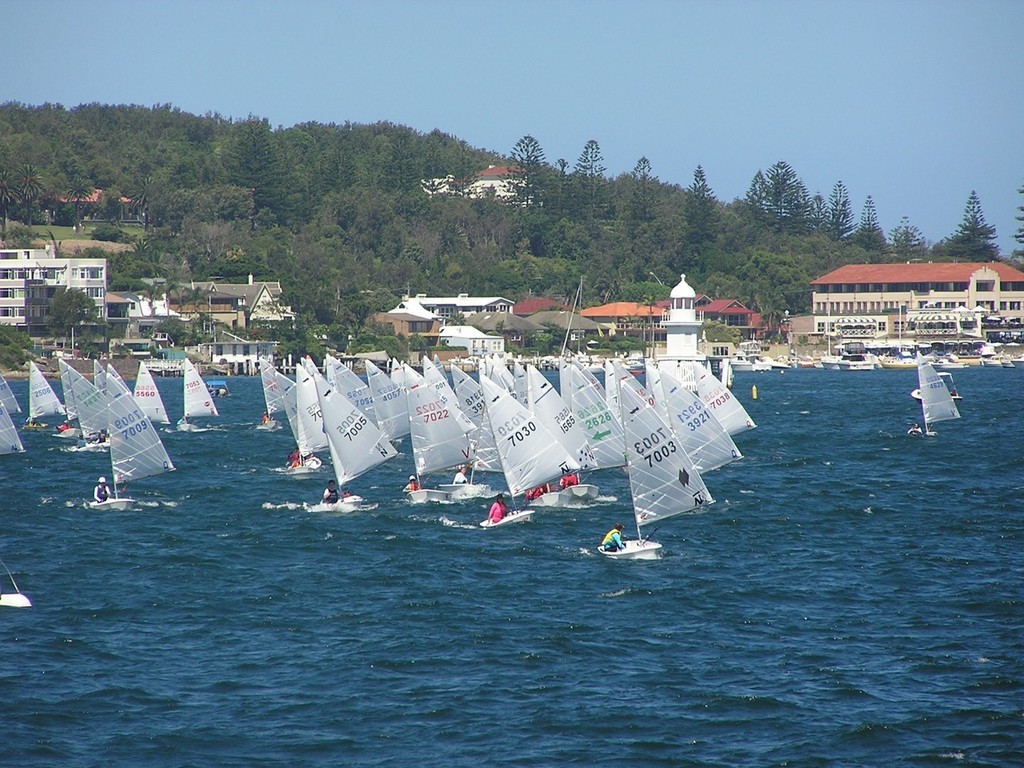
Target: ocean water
{"x": 854, "y": 598}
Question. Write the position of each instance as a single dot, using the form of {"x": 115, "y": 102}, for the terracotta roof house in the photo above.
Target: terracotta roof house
{"x": 408, "y": 323}
{"x": 731, "y": 313}
{"x": 922, "y": 299}
{"x": 629, "y": 318}
{"x": 236, "y": 305}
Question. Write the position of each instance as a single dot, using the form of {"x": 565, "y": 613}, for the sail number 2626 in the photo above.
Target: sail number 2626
{"x": 656, "y": 447}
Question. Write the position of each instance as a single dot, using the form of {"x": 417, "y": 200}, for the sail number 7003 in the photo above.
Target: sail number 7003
{"x": 656, "y": 447}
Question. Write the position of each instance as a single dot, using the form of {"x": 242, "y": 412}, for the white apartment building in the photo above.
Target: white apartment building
{"x": 29, "y": 278}
{"x": 446, "y": 307}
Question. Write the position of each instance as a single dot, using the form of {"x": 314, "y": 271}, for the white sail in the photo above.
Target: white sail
{"x": 728, "y": 409}
{"x": 434, "y": 376}
{"x": 276, "y": 387}
{"x": 148, "y": 396}
{"x": 499, "y": 373}
{"x": 388, "y": 402}
{"x": 652, "y": 383}
{"x": 89, "y": 401}
{"x": 520, "y": 386}
{"x": 42, "y": 400}
{"x": 603, "y": 429}
{"x": 136, "y": 450}
{"x": 611, "y": 391}
{"x": 702, "y": 435}
{"x": 357, "y": 444}
{"x": 530, "y": 454}
{"x": 7, "y": 398}
{"x": 70, "y": 408}
{"x": 112, "y": 379}
{"x": 471, "y": 399}
{"x": 936, "y": 401}
{"x": 662, "y": 479}
{"x": 355, "y": 390}
{"x": 548, "y": 406}
{"x": 99, "y": 376}
{"x": 439, "y": 440}
{"x": 309, "y": 420}
{"x": 197, "y": 397}
{"x": 10, "y": 442}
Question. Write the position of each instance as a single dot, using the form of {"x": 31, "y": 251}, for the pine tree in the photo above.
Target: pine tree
{"x": 907, "y": 241}
{"x": 529, "y": 158}
{"x": 702, "y": 215}
{"x": 1019, "y": 234}
{"x": 839, "y": 221}
{"x": 643, "y": 188}
{"x": 787, "y": 203}
{"x": 869, "y": 234}
{"x": 974, "y": 240}
{"x": 589, "y": 171}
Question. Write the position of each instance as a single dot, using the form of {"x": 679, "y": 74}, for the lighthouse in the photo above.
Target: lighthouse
{"x": 682, "y": 331}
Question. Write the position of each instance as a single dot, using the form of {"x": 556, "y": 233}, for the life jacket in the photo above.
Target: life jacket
{"x": 102, "y": 492}
{"x": 608, "y": 537}
{"x": 332, "y": 496}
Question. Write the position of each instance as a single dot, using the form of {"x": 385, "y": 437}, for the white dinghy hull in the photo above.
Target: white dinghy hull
{"x": 15, "y": 600}
{"x": 519, "y": 516}
{"x": 567, "y": 497}
{"x": 636, "y": 549}
{"x": 118, "y": 504}
{"x": 424, "y": 495}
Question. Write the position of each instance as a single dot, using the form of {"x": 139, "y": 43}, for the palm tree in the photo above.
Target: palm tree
{"x": 30, "y": 187}
{"x": 8, "y": 194}
{"x": 140, "y": 200}
{"x": 79, "y": 189}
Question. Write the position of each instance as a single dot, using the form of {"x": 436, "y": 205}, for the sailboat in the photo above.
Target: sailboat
{"x": 936, "y": 401}
{"x": 13, "y": 599}
{"x": 549, "y": 407}
{"x": 699, "y": 431}
{"x": 136, "y": 450}
{"x": 357, "y": 445}
{"x": 720, "y": 400}
{"x": 276, "y": 389}
{"x": 662, "y": 479}
{"x": 148, "y": 396}
{"x": 307, "y": 420}
{"x": 471, "y": 399}
{"x": 7, "y": 398}
{"x": 9, "y": 440}
{"x": 439, "y": 434}
{"x": 388, "y": 401}
{"x": 90, "y": 406}
{"x": 42, "y": 400}
{"x": 198, "y": 401}
{"x": 67, "y": 374}
{"x": 585, "y": 395}
{"x": 530, "y": 455}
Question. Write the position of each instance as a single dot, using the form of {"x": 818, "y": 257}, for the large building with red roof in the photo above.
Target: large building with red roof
{"x": 925, "y": 301}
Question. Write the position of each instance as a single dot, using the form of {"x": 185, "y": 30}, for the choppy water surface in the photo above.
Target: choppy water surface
{"x": 853, "y": 599}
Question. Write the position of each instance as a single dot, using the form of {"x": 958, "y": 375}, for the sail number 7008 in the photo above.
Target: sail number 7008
{"x": 656, "y": 447}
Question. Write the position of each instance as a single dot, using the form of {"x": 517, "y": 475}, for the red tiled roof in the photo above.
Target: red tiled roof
{"x": 536, "y": 304}
{"x": 717, "y": 306}
{"x": 498, "y": 172}
{"x": 625, "y": 309}
{"x": 916, "y": 273}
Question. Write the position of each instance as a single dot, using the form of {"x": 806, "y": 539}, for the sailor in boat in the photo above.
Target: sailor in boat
{"x": 498, "y": 509}
{"x": 294, "y": 459}
{"x": 102, "y": 491}
{"x": 412, "y": 485}
{"x": 460, "y": 476}
{"x": 536, "y": 493}
{"x": 63, "y": 427}
{"x": 568, "y": 480}
{"x": 914, "y": 430}
{"x": 612, "y": 541}
{"x": 266, "y": 418}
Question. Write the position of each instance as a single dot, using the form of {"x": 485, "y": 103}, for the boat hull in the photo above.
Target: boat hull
{"x": 519, "y": 516}
{"x": 15, "y": 600}
{"x": 116, "y": 504}
{"x": 567, "y": 497}
{"x": 636, "y": 549}
{"x": 425, "y": 495}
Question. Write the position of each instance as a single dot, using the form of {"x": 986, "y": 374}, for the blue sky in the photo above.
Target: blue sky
{"x": 916, "y": 103}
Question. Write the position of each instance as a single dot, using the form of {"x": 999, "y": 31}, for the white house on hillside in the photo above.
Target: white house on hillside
{"x": 446, "y": 307}
{"x": 475, "y": 342}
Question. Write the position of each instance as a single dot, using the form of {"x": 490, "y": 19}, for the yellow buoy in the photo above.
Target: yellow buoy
{"x": 753, "y": 391}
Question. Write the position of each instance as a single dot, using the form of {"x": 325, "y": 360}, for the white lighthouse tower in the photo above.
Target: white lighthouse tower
{"x": 682, "y": 331}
